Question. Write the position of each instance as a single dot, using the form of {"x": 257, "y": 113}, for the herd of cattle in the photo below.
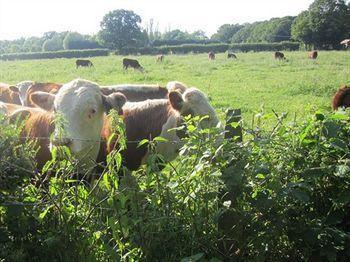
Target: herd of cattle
{"x": 148, "y": 111}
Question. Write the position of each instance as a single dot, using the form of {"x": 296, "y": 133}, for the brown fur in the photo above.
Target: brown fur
{"x": 83, "y": 63}
{"x": 134, "y": 95}
{"x": 140, "y": 123}
{"x": 51, "y": 88}
{"x": 313, "y": 54}
{"x": 7, "y": 95}
{"x": 341, "y": 98}
{"x": 231, "y": 55}
{"x": 279, "y": 55}
{"x": 211, "y": 55}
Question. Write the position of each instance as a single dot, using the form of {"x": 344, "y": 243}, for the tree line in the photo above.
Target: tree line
{"x": 323, "y": 25}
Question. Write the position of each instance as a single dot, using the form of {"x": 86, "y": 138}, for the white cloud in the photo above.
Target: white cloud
{"x": 28, "y": 18}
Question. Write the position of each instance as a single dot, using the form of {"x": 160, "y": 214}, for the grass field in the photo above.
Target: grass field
{"x": 255, "y": 79}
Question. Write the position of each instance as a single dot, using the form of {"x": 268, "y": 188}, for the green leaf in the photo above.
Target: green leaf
{"x": 160, "y": 139}
{"x": 143, "y": 142}
{"x": 301, "y": 195}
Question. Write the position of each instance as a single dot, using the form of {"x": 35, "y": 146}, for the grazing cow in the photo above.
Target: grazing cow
{"x": 279, "y": 55}
{"x": 159, "y": 117}
{"x": 83, "y": 63}
{"x": 82, "y": 106}
{"x": 160, "y": 58}
{"x": 141, "y": 92}
{"x": 7, "y": 95}
{"x": 341, "y": 98}
{"x": 313, "y": 54}
{"x": 127, "y": 62}
{"x": 346, "y": 43}
{"x": 231, "y": 55}
{"x": 211, "y": 55}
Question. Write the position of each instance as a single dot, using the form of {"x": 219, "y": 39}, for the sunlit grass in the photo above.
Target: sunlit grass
{"x": 251, "y": 81}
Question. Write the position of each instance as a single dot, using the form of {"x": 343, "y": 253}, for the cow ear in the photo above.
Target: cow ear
{"x": 43, "y": 100}
{"x": 176, "y": 100}
{"x": 14, "y": 89}
{"x": 18, "y": 116}
{"x": 113, "y": 101}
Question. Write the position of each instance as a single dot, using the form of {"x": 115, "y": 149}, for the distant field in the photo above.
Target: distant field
{"x": 255, "y": 79}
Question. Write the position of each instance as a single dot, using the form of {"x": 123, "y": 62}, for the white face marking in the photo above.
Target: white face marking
{"x": 80, "y": 104}
{"x": 23, "y": 88}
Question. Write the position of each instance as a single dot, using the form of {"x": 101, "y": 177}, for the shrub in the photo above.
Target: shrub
{"x": 57, "y": 54}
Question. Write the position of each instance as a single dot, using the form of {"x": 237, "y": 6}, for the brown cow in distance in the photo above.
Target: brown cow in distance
{"x": 83, "y": 63}
{"x": 160, "y": 58}
{"x": 313, "y": 54}
{"x": 133, "y": 63}
{"x": 279, "y": 55}
{"x": 7, "y": 95}
{"x": 211, "y": 55}
{"x": 341, "y": 98}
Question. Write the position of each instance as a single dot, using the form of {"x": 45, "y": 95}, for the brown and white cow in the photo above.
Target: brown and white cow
{"x": 7, "y": 95}
{"x": 151, "y": 118}
{"x": 313, "y": 54}
{"x": 279, "y": 55}
{"x": 82, "y": 106}
{"x": 341, "y": 98}
{"x": 160, "y": 58}
{"x": 211, "y": 55}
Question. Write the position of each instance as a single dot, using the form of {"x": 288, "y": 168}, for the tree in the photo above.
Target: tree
{"x": 198, "y": 35}
{"x": 53, "y": 44}
{"x": 176, "y": 34}
{"x": 324, "y": 25}
{"x": 120, "y": 28}
{"x": 226, "y": 32}
{"x": 74, "y": 40}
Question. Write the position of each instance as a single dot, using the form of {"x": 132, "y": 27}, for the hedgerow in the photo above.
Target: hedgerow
{"x": 289, "y": 199}
{"x": 56, "y": 54}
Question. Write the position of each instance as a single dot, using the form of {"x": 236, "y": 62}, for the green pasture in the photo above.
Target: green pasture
{"x": 252, "y": 81}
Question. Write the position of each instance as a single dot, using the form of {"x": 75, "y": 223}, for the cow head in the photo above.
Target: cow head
{"x": 196, "y": 103}
{"x": 21, "y": 88}
{"x": 81, "y": 106}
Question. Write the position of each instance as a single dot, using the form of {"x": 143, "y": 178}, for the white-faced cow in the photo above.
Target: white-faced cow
{"x": 82, "y": 106}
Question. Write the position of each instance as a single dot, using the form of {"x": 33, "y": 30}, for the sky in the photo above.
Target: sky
{"x": 34, "y": 17}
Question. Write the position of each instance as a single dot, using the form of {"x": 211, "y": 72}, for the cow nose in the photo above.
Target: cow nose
{"x": 62, "y": 142}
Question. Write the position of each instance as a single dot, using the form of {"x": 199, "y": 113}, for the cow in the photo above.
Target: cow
{"x": 127, "y": 62}
{"x": 83, "y": 63}
{"x": 141, "y": 92}
{"x": 345, "y": 42}
{"x": 160, "y": 58}
{"x": 231, "y": 55}
{"x": 51, "y": 88}
{"x": 82, "y": 106}
{"x": 211, "y": 55}
{"x": 7, "y": 95}
{"x": 25, "y": 88}
{"x": 143, "y": 119}
{"x": 279, "y": 55}
{"x": 313, "y": 54}
{"x": 341, "y": 98}
{"x": 158, "y": 117}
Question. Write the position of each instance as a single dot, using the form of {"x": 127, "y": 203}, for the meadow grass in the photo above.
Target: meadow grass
{"x": 253, "y": 81}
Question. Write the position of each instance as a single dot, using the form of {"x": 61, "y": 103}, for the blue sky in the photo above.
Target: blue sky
{"x": 33, "y": 18}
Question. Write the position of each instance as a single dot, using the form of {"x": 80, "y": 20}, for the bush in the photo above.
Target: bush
{"x": 289, "y": 200}
{"x": 217, "y": 48}
{"x": 56, "y": 54}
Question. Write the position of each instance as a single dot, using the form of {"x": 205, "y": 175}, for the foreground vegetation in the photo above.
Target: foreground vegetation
{"x": 250, "y": 82}
{"x": 290, "y": 199}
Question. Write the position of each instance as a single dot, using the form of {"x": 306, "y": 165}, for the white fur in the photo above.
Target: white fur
{"x": 176, "y": 86}
{"x": 23, "y": 88}
{"x": 74, "y": 101}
